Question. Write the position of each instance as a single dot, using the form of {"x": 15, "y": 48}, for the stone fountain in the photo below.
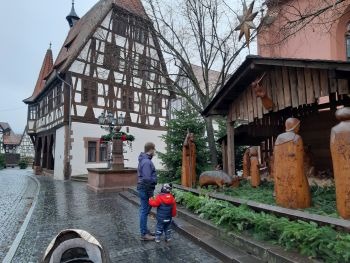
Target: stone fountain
{"x": 117, "y": 177}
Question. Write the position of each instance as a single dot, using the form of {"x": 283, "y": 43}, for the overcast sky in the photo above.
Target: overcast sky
{"x": 27, "y": 28}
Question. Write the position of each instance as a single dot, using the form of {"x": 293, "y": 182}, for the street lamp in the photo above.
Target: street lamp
{"x": 109, "y": 123}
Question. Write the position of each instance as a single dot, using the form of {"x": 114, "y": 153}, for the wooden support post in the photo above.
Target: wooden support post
{"x": 44, "y": 157}
{"x": 224, "y": 156}
{"x": 37, "y": 152}
{"x": 37, "y": 158}
{"x": 51, "y": 161}
{"x": 67, "y": 166}
{"x": 48, "y": 160}
{"x": 230, "y": 148}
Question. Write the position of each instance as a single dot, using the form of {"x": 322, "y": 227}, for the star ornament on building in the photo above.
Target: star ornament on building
{"x": 246, "y": 22}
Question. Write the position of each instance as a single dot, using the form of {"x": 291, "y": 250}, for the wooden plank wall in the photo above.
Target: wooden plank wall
{"x": 287, "y": 87}
{"x": 315, "y": 131}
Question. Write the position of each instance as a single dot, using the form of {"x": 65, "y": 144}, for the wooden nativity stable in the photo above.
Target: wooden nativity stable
{"x": 310, "y": 90}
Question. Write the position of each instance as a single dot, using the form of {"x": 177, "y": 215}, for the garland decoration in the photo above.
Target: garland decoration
{"x": 119, "y": 135}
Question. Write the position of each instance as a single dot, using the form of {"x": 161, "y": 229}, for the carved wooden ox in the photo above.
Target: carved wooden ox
{"x": 218, "y": 178}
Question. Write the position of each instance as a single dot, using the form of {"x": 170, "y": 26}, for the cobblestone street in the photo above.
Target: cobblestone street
{"x": 111, "y": 219}
{"x": 17, "y": 191}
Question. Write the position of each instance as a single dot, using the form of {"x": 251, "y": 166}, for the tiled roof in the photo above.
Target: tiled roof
{"x": 12, "y": 139}
{"x": 9, "y": 137}
{"x": 254, "y": 65}
{"x": 80, "y": 32}
{"x": 46, "y": 68}
{"x": 133, "y": 6}
{"x": 4, "y": 126}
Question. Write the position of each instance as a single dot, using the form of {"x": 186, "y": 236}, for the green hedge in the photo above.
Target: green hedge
{"x": 23, "y": 164}
{"x": 321, "y": 242}
{"x": 323, "y": 198}
{"x": 2, "y": 161}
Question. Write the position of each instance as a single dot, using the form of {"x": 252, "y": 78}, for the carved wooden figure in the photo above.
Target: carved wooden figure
{"x": 260, "y": 92}
{"x": 340, "y": 150}
{"x": 188, "y": 172}
{"x": 254, "y": 167}
{"x": 291, "y": 185}
{"x": 246, "y": 164}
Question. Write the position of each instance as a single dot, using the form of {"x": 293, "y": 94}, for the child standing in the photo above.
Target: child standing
{"x": 166, "y": 209}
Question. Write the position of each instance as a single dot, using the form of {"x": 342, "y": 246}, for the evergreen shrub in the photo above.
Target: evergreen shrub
{"x": 2, "y": 161}
{"x": 183, "y": 120}
{"x": 23, "y": 164}
{"x": 321, "y": 242}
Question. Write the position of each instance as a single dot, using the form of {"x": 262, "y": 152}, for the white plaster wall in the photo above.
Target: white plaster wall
{"x": 81, "y": 130}
{"x": 59, "y": 154}
{"x": 141, "y": 137}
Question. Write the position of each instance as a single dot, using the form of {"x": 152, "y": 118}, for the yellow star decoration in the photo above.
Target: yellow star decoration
{"x": 246, "y": 22}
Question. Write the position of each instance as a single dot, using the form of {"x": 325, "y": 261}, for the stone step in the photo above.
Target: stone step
{"x": 266, "y": 252}
{"x": 262, "y": 250}
{"x": 79, "y": 178}
{"x": 46, "y": 172}
{"x": 224, "y": 251}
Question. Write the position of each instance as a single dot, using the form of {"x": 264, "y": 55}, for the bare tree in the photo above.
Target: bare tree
{"x": 202, "y": 32}
{"x": 197, "y": 32}
{"x": 290, "y": 17}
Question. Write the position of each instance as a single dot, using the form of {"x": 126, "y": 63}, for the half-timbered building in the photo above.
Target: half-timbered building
{"x": 15, "y": 146}
{"x": 110, "y": 62}
{"x": 26, "y": 147}
{"x": 10, "y": 140}
{"x": 4, "y": 128}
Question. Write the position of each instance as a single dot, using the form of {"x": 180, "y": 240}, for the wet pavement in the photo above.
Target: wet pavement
{"x": 108, "y": 217}
{"x": 17, "y": 191}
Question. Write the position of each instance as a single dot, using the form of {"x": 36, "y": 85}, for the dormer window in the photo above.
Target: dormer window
{"x": 347, "y": 39}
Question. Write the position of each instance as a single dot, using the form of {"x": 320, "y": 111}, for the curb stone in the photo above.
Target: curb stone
{"x": 262, "y": 250}
{"x": 222, "y": 250}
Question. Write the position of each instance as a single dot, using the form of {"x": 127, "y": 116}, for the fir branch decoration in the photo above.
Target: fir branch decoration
{"x": 119, "y": 135}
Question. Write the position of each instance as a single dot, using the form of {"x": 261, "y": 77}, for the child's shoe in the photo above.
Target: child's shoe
{"x": 168, "y": 235}
{"x": 157, "y": 239}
